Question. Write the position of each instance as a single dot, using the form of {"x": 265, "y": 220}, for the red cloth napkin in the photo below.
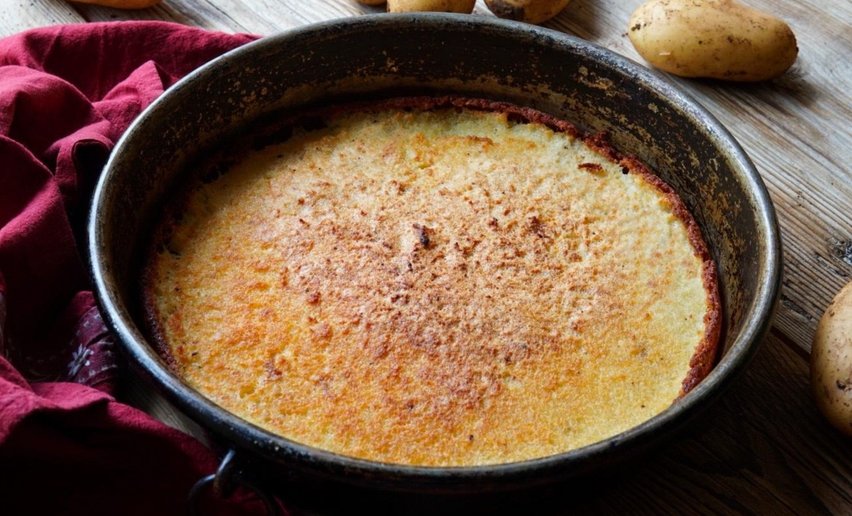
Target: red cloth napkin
{"x": 66, "y": 445}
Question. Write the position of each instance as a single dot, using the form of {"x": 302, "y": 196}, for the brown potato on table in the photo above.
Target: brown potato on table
{"x": 447, "y": 6}
{"x": 831, "y": 362}
{"x": 530, "y": 11}
{"x": 719, "y": 39}
{"x": 121, "y": 4}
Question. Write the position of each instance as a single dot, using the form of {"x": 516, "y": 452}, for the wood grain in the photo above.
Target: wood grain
{"x": 20, "y": 15}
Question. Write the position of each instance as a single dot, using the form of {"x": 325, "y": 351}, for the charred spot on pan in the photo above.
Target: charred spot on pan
{"x": 171, "y": 250}
{"x": 279, "y": 135}
{"x": 313, "y": 123}
{"x": 215, "y": 171}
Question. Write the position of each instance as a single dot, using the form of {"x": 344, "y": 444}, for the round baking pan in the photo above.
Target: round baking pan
{"x": 382, "y": 55}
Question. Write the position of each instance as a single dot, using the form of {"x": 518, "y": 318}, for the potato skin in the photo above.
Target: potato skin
{"x": 529, "y": 11}
{"x": 831, "y": 362}
{"x": 447, "y": 6}
{"x": 718, "y": 39}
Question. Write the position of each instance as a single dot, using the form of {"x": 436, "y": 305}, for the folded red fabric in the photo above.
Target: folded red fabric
{"x": 67, "y": 93}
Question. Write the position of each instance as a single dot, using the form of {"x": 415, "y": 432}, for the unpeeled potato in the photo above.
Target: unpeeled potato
{"x": 447, "y": 6}
{"x": 720, "y": 39}
{"x": 831, "y": 362}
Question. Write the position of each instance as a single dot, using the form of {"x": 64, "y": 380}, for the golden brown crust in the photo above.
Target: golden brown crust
{"x": 401, "y": 305}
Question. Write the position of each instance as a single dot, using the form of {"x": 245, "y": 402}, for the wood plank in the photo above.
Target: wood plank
{"x": 20, "y": 15}
{"x": 263, "y": 17}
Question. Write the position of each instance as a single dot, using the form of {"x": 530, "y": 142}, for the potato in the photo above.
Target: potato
{"x": 720, "y": 39}
{"x": 121, "y": 4}
{"x": 831, "y": 362}
{"x": 371, "y": 2}
{"x": 447, "y": 6}
{"x": 530, "y": 11}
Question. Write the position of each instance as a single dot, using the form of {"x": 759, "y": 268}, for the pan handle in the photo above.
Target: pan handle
{"x": 224, "y": 482}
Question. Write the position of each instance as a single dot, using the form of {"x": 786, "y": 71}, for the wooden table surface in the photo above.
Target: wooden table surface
{"x": 764, "y": 448}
